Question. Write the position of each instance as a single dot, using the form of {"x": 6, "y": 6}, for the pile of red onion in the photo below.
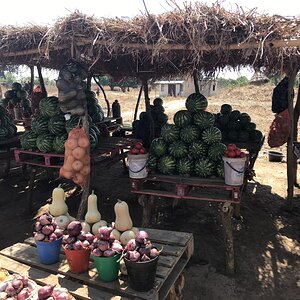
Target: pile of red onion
{"x": 76, "y": 239}
{"x": 45, "y": 229}
{"x": 105, "y": 243}
{"x": 140, "y": 249}
{"x": 53, "y": 293}
{"x": 17, "y": 288}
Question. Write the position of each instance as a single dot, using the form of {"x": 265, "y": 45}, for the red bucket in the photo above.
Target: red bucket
{"x": 78, "y": 260}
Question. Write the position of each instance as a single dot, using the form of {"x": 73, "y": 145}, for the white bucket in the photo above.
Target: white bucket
{"x": 137, "y": 165}
{"x": 234, "y": 169}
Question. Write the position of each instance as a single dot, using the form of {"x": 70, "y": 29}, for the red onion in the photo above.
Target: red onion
{"x": 69, "y": 246}
{"x": 145, "y": 250}
{"x": 97, "y": 252}
{"x": 10, "y": 290}
{"x": 45, "y": 292}
{"x": 58, "y": 232}
{"x": 131, "y": 245}
{"x": 24, "y": 279}
{"x": 39, "y": 236}
{"x": 109, "y": 253}
{"x": 86, "y": 244}
{"x": 105, "y": 232}
{"x": 134, "y": 255}
{"x": 17, "y": 284}
{"x": 74, "y": 228}
{"x": 78, "y": 245}
{"x": 70, "y": 240}
{"x": 103, "y": 245}
{"x": 154, "y": 252}
{"x": 141, "y": 237}
{"x": 45, "y": 219}
{"x": 62, "y": 296}
{"x": 38, "y": 226}
{"x": 117, "y": 247}
{"x": 52, "y": 237}
{"x": 46, "y": 239}
{"x": 24, "y": 294}
{"x": 47, "y": 229}
{"x": 81, "y": 236}
{"x": 145, "y": 258}
{"x": 89, "y": 237}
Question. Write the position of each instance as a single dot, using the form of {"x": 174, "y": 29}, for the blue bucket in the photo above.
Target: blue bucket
{"x": 49, "y": 251}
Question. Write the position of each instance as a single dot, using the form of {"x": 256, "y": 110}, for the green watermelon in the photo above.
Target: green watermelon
{"x": 159, "y": 109}
{"x": 178, "y": 149}
{"x": 198, "y": 149}
{"x": 244, "y": 118}
{"x": 39, "y": 125}
{"x": 44, "y": 142}
{"x": 233, "y": 124}
{"x": 220, "y": 169}
{"x": 189, "y": 134}
{"x": 158, "y": 147}
{"x": 16, "y": 86}
{"x": 162, "y": 118}
{"x": 170, "y": 132}
{"x": 250, "y": 126}
{"x": 226, "y": 109}
{"x": 59, "y": 142}
{"x": 211, "y": 135}
{"x": 184, "y": 166}
{"x": 57, "y": 124}
{"x": 11, "y": 130}
{"x": 204, "y": 119}
{"x": 243, "y": 136}
{"x": 4, "y": 102}
{"x": 3, "y": 133}
{"x": 256, "y": 135}
{"x": 183, "y": 118}
{"x": 49, "y": 107}
{"x": 204, "y": 167}
{"x": 232, "y": 135}
{"x": 223, "y": 120}
{"x": 10, "y": 94}
{"x": 28, "y": 140}
{"x": 93, "y": 139}
{"x": 216, "y": 151}
{"x": 195, "y": 102}
{"x": 235, "y": 115}
{"x": 72, "y": 123}
{"x": 152, "y": 162}
{"x": 22, "y": 94}
{"x": 167, "y": 164}
{"x": 158, "y": 102}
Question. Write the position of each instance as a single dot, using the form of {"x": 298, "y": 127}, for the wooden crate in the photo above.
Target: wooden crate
{"x": 177, "y": 248}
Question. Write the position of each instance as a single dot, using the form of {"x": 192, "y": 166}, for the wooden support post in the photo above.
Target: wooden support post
{"x": 196, "y": 82}
{"x": 226, "y": 211}
{"x": 137, "y": 103}
{"x": 41, "y": 80}
{"x": 31, "y": 79}
{"x": 97, "y": 80}
{"x": 147, "y": 203}
{"x": 290, "y": 146}
{"x": 295, "y": 139}
{"x": 86, "y": 187}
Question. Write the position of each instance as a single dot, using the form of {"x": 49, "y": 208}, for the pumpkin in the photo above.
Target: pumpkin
{"x": 126, "y": 236}
{"x": 92, "y": 214}
{"x": 86, "y": 227}
{"x": 58, "y": 206}
{"x": 135, "y": 230}
{"x": 116, "y": 233}
{"x": 123, "y": 220}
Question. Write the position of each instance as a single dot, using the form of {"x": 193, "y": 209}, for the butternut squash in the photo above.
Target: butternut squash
{"x": 92, "y": 215}
{"x": 58, "y": 206}
{"x": 123, "y": 220}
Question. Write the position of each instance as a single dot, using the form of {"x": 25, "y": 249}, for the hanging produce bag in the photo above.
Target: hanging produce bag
{"x": 71, "y": 87}
{"x": 280, "y": 129}
{"x": 77, "y": 160}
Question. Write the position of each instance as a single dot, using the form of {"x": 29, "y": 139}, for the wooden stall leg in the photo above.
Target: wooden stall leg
{"x": 147, "y": 203}
{"x": 175, "y": 292}
{"x": 30, "y": 189}
{"x": 226, "y": 212}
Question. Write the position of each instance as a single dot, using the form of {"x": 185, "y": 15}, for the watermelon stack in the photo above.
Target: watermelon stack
{"x": 192, "y": 145}
{"x": 49, "y": 130}
{"x": 236, "y": 126}
{"x": 7, "y": 127}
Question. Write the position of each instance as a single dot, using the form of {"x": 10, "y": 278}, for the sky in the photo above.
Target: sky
{"x": 47, "y": 12}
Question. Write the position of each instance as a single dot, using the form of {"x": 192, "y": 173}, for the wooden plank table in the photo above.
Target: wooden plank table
{"x": 177, "y": 248}
{"x": 191, "y": 188}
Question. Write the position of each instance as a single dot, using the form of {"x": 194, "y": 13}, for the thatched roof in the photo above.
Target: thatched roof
{"x": 173, "y": 43}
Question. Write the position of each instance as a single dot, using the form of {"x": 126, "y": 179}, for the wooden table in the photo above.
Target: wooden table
{"x": 22, "y": 258}
{"x": 109, "y": 151}
{"x": 193, "y": 189}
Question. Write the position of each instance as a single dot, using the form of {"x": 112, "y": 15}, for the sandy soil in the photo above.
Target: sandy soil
{"x": 266, "y": 238}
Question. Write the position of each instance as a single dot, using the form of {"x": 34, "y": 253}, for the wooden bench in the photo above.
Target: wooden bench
{"x": 22, "y": 258}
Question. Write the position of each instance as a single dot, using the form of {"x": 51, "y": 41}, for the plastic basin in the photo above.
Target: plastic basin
{"x": 275, "y": 156}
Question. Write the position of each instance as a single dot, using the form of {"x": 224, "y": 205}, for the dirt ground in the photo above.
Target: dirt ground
{"x": 266, "y": 237}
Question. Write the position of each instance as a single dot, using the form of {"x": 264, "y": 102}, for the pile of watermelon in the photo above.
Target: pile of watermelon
{"x": 16, "y": 96}
{"x": 7, "y": 127}
{"x": 141, "y": 128}
{"x": 49, "y": 130}
{"x": 192, "y": 145}
{"x": 236, "y": 126}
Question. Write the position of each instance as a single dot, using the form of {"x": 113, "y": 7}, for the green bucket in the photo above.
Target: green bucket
{"x": 107, "y": 267}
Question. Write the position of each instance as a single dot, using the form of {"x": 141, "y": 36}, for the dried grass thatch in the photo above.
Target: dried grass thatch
{"x": 173, "y": 43}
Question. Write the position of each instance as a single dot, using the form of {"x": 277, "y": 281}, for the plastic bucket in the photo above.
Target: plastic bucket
{"x": 234, "y": 169}
{"x": 107, "y": 267}
{"x": 141, "y": 275}
{"x": 137, "y": 165}
{"x": 49, "y": 251}
{"x": 78, "y": 260}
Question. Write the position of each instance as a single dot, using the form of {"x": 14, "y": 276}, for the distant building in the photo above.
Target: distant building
{"x": 184, "y": 87}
